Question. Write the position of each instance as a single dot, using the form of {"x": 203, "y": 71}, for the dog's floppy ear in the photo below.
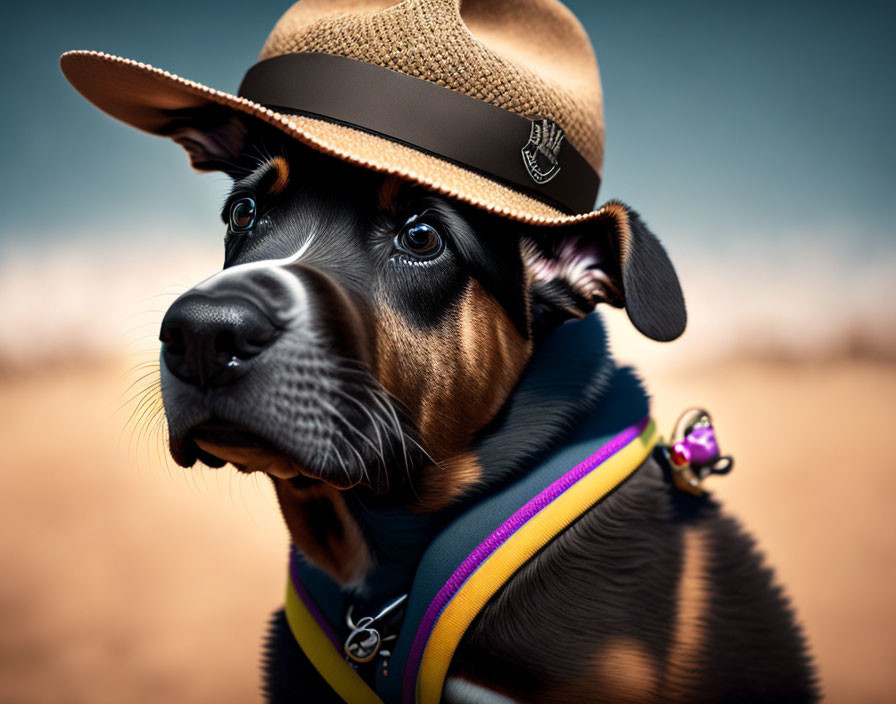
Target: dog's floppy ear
{"x": 214, "y": 138}
{"x": 612, "y": 259}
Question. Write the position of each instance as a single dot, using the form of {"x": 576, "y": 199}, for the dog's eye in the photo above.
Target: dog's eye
{"x": 242, "y": 215}
{"x": 420, "y": 241}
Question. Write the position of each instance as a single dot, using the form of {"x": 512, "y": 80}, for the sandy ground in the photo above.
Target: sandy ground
{"x": 126, "y": 580}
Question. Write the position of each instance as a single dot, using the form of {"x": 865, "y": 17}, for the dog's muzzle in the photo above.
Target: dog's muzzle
{"x": 264, "y": 366}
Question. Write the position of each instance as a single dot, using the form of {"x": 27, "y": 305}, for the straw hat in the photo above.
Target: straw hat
{"x": 494, "y": 102}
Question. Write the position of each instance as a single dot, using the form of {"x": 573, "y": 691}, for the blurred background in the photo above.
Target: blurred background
{"x": 755, "y": 138}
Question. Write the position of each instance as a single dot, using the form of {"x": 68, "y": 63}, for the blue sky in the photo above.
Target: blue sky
{"x": 730, "y": 121}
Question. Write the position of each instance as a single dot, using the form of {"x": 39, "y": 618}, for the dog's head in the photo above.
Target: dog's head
{"x": 364, "y": 330}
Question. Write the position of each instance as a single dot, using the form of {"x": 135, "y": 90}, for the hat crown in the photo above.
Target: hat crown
{"x": 529, "y": 57}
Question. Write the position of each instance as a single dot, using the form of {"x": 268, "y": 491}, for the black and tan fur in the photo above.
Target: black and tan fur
{"x": 389, "y": 391}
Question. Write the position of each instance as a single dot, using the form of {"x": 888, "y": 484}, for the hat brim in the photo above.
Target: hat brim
{"x": 145, "y": 97}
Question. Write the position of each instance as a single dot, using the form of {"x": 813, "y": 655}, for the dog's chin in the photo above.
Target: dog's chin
{"x": 252, "y": 459}
{"x": 216, "y": 446}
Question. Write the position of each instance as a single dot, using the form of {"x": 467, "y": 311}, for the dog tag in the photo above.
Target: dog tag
{"x": 364, "y": 642}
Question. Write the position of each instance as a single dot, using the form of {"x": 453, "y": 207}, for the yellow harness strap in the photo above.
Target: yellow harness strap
{"x": 327, "y": 659}
{"x": 482, "y": 585}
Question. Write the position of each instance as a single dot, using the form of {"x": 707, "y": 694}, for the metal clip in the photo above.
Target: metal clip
{"x": 363, "y": 643}
{"x": 364, "y": 640}
{"x": 694, "y": 452}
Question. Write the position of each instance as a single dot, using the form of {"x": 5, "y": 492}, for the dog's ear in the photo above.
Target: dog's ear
{"x": 612, "y": 259}
{"x": 215, "y": 138}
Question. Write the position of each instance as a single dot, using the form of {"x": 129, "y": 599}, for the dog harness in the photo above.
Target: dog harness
{"x": 490, "y": 538}
{"x": 472, "y": 558}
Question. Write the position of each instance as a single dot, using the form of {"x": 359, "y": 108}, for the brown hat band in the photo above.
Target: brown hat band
{"x": 530, "y": 155}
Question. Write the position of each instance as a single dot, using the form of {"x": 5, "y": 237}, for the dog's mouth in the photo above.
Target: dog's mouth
{"x": 220, "y": 442}
{"x": 304, "y": 430}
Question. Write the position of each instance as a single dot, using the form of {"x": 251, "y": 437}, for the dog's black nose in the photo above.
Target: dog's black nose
{"x": 208, "y": 339}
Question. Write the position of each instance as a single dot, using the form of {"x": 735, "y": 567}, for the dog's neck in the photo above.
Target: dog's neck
{"x": 566, "y": 378}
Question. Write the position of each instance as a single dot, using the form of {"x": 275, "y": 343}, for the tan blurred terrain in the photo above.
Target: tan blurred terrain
{"x": 124, "y": 580}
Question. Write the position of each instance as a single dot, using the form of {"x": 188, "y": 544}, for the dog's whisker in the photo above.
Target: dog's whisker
{"x": 387, "y": 415}
{"x": 149, "y": 406}
{"x": 328, "y": 450}
{"x": 347, "y": 362}
{"x": 140, "y": 396}
{"x": 151, "y": 388}
{"x": 148, "y": 311}
{"x": 150, "y": 361}
{"x": 155, "y": 435}
{"x": 179, "y": 289}
{"x": 392, "y": 423}
{"x": 143, "y": 377}
{"x": 157, "y": 438}
{"x": 152, "y": 365}
{"x": 139, "y": 399}
{"x": 383, "y": 415}
{"x": 384, "y": 401}
{"x": 332, "y": 409}
{"x": 148, "y": 419}
{"x": 373, "y": 420}
{"x": 164, "y": 445}
{"x": 424, "y": 452}
{"x": 147, "y": 354}
{"x": 147, "y": 397}
{"x": 166, "y": 292}
{"x": 362, "y": 374}
{"x": 351, "y": 426}
{"x": 140, "y": 326}
{"x": 348, "y": 475}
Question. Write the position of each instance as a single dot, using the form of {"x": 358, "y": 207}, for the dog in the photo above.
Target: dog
{"x": 358, "y": 346}
{"x": 404, "y": 339}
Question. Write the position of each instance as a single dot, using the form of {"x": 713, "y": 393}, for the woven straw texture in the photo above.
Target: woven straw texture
{"x": 530, "y": 57}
